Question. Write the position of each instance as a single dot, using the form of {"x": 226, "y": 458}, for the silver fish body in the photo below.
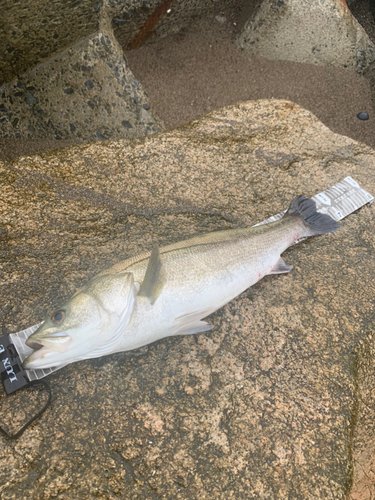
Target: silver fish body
{"x": 174, "y": 288}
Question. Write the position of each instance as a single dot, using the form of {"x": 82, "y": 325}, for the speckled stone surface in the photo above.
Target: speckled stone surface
{"x": 265, "y": 405}
{"x": 128, "y": 18}
{"x": 364, "y": 438}
{"x": 87, "y": 92}
{"x": 323, "y": 33}
{"x": 30, "y": 32}
{"x": 63, "y": 74}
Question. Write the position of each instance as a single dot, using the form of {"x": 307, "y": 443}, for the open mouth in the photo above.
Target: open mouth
{"x": 48, "y": 350}
{"x": 34, "y": 345}
{"x": 55, "y": 342}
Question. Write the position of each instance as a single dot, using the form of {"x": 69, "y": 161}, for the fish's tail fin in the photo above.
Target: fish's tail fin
{"x": 316, "y": 222}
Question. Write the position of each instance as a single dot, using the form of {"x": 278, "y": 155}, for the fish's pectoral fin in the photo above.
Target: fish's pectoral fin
{"x": 154, "y": 279}
{"x": 281, "y": 267}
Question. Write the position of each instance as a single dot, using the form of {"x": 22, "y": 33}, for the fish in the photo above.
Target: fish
{"x": 169, "y": 291}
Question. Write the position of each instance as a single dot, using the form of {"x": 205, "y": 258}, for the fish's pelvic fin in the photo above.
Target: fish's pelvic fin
{"x": 281, "y": 267}
{"x": 316, "y": 222}
{"x": 154, "y": 279}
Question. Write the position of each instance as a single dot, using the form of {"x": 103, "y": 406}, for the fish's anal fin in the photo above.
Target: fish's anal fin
{"x": 190, "y": 323}
{"x": 197, "y": 327}
{"x": 153, "y": 281}
{"x": 281, "y": 267}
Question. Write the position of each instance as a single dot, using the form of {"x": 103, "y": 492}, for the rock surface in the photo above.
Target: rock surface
{"x": 264, "y": 405}
{"x": 323, "y": 32}
{"x": 32, "y": 33}
{"x": 63, "y": 73}
{"x": 87, "y": 92}
{"x": 364, "y": 438}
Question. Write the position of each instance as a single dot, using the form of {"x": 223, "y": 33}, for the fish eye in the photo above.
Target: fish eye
{"x": 58, "y": 317}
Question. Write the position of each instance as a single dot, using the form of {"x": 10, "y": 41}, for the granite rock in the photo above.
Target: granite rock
{"x": 263, "y": 406}
{"x": 364, "y": 438}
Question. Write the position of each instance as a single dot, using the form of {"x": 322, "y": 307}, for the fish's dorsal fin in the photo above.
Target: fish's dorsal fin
{"x": 154, "y": 279}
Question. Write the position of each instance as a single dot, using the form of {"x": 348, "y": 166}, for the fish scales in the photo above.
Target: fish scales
{"x": 205, "y": 274}
{"x": 169, "y": 291}
{"x": 246, "y": 243}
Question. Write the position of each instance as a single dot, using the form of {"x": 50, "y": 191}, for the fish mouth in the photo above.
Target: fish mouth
{"x": 49, "y": 350}
{"x": 54, "y": 341}
{"x": 34, "y": 345}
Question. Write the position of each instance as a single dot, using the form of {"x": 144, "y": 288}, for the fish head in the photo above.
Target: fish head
{"x": 90, "y": 324}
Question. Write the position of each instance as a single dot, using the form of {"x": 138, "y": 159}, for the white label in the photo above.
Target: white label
{"x": 339, "y": 215}
{"x": 323, "y": 198}
{"x": 351, "y": 181}
{"x": 369, "y": 196}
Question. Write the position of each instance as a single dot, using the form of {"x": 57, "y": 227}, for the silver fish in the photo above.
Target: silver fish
{"x": 169, "y": 291}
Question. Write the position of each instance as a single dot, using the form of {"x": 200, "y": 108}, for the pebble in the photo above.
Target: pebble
{"x": 30, "y": 99}
{"x": 363, "y": 116}
{"x": 221, "y": 19}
